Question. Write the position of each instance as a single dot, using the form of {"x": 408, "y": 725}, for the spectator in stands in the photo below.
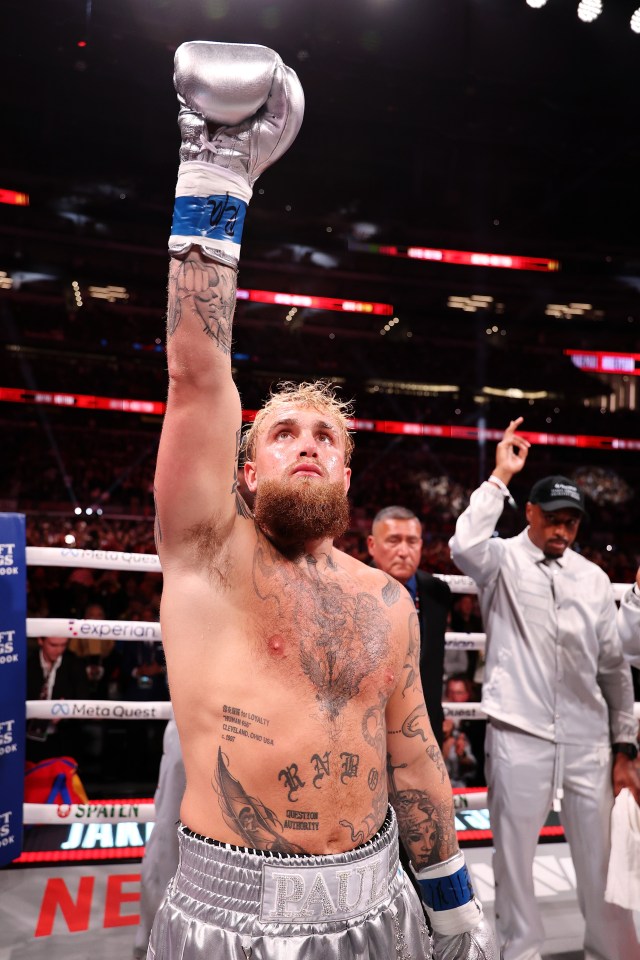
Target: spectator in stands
{"x": 143, "y": 677}
{"x": 54, "y": 673}
{"x": 95, "y": 654}
{"x": 458, "y": 756}
{"x": 465, "y": 618}
{"x": 460, "y": 689}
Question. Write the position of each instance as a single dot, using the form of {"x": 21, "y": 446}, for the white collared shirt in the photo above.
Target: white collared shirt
{"x": 554, "y": 662}
{"x": 629, "y": 625}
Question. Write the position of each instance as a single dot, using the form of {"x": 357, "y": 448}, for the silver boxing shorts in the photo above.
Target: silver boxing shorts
{"x": 229, "y": 903}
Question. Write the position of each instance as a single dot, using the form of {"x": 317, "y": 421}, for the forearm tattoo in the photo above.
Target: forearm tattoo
{"x": 412, "y": 726}
{"x": 208, "y": 292}
{"x": 427, "y": 828}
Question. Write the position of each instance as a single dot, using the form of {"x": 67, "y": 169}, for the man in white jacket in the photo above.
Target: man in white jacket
{"x": 629, "y": 623}
{"x": 559, "y": 698}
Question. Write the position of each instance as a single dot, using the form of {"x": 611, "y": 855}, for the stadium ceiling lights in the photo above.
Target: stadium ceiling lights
{"x": 470, "y": 304}
{"x": 590, "y": 10}
{"x": 569, "y": 311}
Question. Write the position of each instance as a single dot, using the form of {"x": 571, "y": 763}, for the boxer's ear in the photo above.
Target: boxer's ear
{"x": 250, "y": 475}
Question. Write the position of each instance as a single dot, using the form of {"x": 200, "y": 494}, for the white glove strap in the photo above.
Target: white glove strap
{"x": 448, "y": 897}
{"x": 198, "y": 178}
{"x": 210, "y": 207}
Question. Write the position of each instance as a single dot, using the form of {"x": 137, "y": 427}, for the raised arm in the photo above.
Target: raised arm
{"x": 473, "y": 547}
{"x": 241, "y": 108}
{"x": 420, "y": 793}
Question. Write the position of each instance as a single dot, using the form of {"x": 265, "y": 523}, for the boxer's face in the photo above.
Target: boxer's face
{"x": 298, "y": 445}
{"x": 552, "y": 531}
{"x": 299, "y": 477}
{"x": 396, "y": 547}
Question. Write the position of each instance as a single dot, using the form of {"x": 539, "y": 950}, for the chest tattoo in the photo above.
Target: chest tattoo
{"x": 342, "y": 636}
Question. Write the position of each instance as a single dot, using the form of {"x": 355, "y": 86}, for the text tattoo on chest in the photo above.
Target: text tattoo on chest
{"x": 342, "y": 637}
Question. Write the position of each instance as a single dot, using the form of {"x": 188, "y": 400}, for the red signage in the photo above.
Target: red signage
{"x": 466, "y": 258}
{"x": 14, "y": 198}
{"x": 447, "y": 431}
{"x": 301, "y": 300}
{"x": 605, "y": 362}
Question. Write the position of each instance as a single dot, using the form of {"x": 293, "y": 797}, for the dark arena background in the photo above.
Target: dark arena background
{"x": 452, "y": 240}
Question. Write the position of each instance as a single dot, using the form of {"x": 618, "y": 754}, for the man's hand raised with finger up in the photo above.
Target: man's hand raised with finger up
{"x": 511, "y": 454}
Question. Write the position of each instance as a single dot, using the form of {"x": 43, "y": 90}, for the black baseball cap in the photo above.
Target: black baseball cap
{"x": 557, "y": 493}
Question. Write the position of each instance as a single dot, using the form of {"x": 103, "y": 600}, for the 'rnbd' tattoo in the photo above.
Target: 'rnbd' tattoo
{"x": 292, "y": 781}
{"x": 350, "y": 762}
{"x": 321, "y": 765}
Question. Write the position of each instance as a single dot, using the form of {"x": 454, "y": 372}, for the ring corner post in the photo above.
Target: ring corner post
{"x": 13, "y": 682}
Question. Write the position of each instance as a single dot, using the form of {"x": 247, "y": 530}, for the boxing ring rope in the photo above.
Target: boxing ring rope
{"x": 135, "y": 630}
{"x": 149, "y": 562}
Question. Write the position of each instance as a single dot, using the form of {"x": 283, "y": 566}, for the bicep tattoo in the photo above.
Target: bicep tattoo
{"x": 412, "y": 661}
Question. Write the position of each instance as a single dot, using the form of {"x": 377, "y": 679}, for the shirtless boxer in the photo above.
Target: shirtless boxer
{"x": 293, "y": 668}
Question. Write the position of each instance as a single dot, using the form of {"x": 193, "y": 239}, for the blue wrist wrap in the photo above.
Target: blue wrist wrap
{"x": 217, "y": 217}
{"x": 446, "y": 893}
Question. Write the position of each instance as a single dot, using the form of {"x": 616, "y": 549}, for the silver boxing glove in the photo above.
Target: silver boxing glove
{"x": 241, "y": 109}
{"x": 460, "y": 931}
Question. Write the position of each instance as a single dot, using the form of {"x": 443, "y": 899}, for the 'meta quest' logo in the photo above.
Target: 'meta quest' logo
{"x": 6, "y": 559}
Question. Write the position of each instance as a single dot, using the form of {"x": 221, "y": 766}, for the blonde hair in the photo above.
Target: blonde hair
{"x": 319, "y": 395}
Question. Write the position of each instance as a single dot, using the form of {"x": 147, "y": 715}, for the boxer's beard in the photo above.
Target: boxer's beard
{"x": 293, "y": 512}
